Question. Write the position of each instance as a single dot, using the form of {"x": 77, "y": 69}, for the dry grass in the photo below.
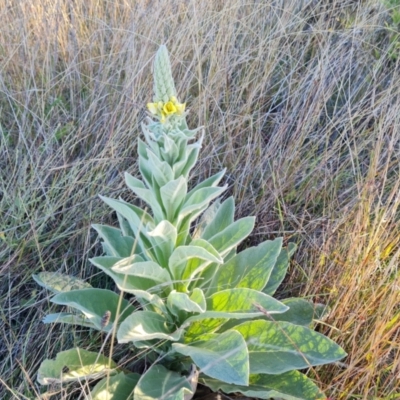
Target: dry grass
{"x": 300, "y": 100}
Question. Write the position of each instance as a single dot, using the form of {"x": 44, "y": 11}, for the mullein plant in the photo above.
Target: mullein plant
{"x": 204, "y": 312}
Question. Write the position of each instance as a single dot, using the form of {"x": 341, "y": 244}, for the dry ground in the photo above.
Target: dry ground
{"x": 300, "y": 101}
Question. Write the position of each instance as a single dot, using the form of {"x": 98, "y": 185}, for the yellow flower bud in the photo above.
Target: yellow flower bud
{"x": 180, "y": 108}
{"x": 153, "y": 108}
{"x": 162, "y": 111}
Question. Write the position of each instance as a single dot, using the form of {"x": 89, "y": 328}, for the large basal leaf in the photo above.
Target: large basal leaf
{"x": 242, "y": 300}
{"x": 94, "y": 304}
{"x": 77, "y": 364}
{"x": 250, "y": 314}
{"x": 202, "y": 327}
{"x": 222, "y": 219}
{"x": 279, "y": 271}
{"x": 119, "y": 246}
{"x": 146, "y": 325}
{"x": 249, "y": 269}
{"x": 289, "y": 386}
{"x": 117, "y": 387}
{"x": 225, "y": 357}
{"x": 278, "y": 347}
{"x": 234, "y": 234}
{"x": 300, "y": 312}
{"x": 159, "y": 383}
{"x": 58, "y": 283}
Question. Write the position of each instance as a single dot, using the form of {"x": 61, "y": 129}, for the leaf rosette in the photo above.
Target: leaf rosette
{"x": 205, "y": 310}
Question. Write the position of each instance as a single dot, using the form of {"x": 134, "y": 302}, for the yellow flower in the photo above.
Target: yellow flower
{"x": 155, "y": 108}
{"x": 169, "y": 108}
{"x": 162, "y": 111}
{"x": 180, "y": 108}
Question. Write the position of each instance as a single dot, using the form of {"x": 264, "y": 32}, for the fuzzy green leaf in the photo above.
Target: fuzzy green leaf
{"x": 178, "y": 302}
{"x": 130, "y": 273}
{"x": 234, "y": 234}
{"x": 239, "y": 304}
{"x": 119, "y": 246}
{"x": 159, "y": 383}
{"x": 136, "y": 219}
{"x": 144, "y": 164}
{"x": 280, "y": 269}
{"x": 134, "y": 215}
{"x": 145, "y": 275}
{"x": 182, "y": 254}
{"x": 146, "y": 325}
{"x": 289, "y": 386}
{"x": 172, "y": 195}
{"x": 163, "y": 239}
{"x": 206, "y": 219}
{"x": 222, "y": 219}
{"x": 301, "y": 312}
{"x": 242, "y": 300}
{"x": 278, "y": 347}
{"x": 79, "y": 365}
{"x": 197, "y": 329}
{"x": 198, "y": 297}
{"x": 149, "y": 301}
{"x": 67, "y": 318}
{"x": 196, "y": 265}
{"x": 160, "y": 170}
{"x": 125, "y": 227}
{"x": 138, "y": 187}
{"x": 170, "y": 154}
{"x": 250, "y": 268}
{"x": 94, "y": 303}
{"x": 115, "y": 387}
{"x": 212, "y": 181}
{"x": 184, "y": 166}
{"x": 225, "y": 357}
{"x": 199, "y": 199}
{"x": 58, "y": 283}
